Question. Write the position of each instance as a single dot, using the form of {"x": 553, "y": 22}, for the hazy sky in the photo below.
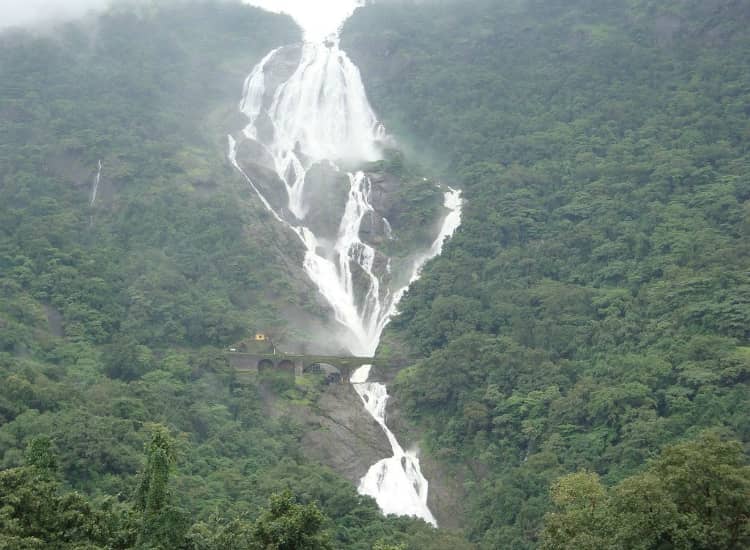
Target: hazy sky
{"x": 318, "y": 18}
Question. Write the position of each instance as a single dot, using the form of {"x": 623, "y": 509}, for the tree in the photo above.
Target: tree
{"x": 162, "y": 524}
{"x": 288, "y": 525}
{"x": 37, "y": 514}
{"x": 40, "y": 455}
{"x": 695, "y": 495}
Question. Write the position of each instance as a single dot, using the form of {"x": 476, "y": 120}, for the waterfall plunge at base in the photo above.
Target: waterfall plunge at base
{"x": 320, "y": 113}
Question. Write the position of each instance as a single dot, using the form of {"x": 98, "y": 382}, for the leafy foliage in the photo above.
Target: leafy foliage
{"x": 287, "y": 525}
{"x": 37, "y": 514}
{"x": 594, "y": 305}
{"x": 114, "y": 313}
{"x": 592, "y": 310}
{"x": 164, "y": 255}
{"x": 695, "y": 495}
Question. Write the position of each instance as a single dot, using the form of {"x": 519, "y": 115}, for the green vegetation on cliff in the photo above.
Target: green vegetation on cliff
{"x": 595, "y": 305}
{"x": 163, "y": 255}
{"x": 113, "y": 316}
{"x": 591, "y": 314}
{"x": 695, "y": 495}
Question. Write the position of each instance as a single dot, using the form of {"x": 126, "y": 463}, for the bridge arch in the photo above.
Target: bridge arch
{"x": 332, "y": 373}
{"x": 335, "y": 368}
{"x": 312, "y": 369}
{"x": 265, "y": 364}
{"x": 286, "y": 365}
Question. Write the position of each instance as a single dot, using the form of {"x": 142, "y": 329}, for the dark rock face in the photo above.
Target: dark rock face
{"x": 265, "y": 128}
{"x": 377, "y": 226}
{"x": 338, "y": 431}
{"x": 251, "y": 152}
{"x": 258, "y": 164}
{"x": 384, "y": 197}
{"x": 342, "y": 435}
{"x": 284, "y": 64}
{"x": 326, "y": 192}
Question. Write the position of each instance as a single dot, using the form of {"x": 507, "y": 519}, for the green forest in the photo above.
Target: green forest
{"x": 579, "y": 355}
{"x": 121, "y": 423}
{"x": 594, "y": 308}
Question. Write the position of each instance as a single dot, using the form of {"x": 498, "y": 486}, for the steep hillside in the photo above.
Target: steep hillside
{"x": 131, "y": 255}
{"x": 580, "y": 354}
{"x": 595, "y": 305}
{"x": 164, "y": 253}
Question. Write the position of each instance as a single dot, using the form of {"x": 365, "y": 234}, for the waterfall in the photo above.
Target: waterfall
{"x": 317, "y": 114}
{"x": 396, "y": 483}
{"x": 95, "y": 187}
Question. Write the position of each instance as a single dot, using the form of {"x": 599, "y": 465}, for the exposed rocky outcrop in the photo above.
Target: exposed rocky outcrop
{"x": 326, "y": 192}
{"x": 338, "y": 432}
{"x": 343, "y": 435}
{"x": 257, "y": 163}
{"x": 285, "y": 62}
{"x": 384, "y": 197}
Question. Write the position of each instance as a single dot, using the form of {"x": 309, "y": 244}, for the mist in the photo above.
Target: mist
{"x": 31, "y": 13}
{"x": 318, "y": 19}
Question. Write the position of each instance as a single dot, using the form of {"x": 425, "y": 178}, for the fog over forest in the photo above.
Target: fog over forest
{"x": 23, "y": 13}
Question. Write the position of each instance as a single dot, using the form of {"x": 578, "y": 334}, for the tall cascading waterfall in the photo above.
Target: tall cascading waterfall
{"x": 317, "y": 114}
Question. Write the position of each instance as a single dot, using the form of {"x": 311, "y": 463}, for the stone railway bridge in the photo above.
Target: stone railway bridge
{"x": 336, "y": 368}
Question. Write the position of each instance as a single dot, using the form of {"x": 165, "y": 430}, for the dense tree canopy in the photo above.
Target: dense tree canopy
{"x": 115, "y": 309}
{"x": 694, "y": 495}
{"x": 591, "y": 314}
{"x": 595, "y": 304}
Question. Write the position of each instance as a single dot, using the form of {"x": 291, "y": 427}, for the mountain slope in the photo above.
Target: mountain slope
{"x": 595, "y": 304}
{"x": 116, "y": 306}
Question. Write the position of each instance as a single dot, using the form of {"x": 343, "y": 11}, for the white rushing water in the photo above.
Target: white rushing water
{"x": 95, "y": 186}
{"x": 321, "y": 114}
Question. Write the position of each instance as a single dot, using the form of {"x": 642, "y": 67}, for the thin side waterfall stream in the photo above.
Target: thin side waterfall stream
{"x": 95, "y": 186}
{"x": 316, "y": 114}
